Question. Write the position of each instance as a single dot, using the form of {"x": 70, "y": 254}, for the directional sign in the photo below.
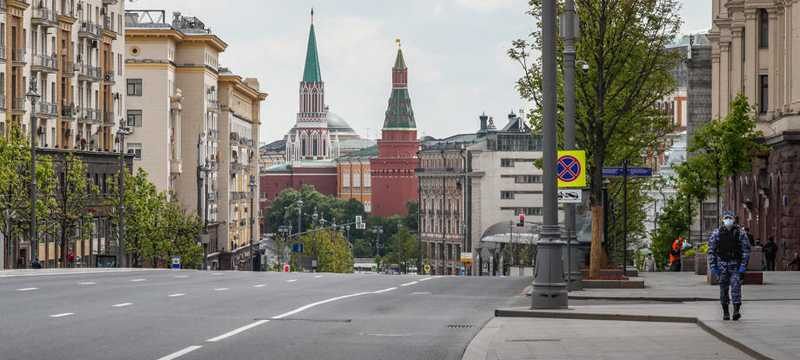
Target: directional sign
{"x": 570, "y": 196}
{"x": 632, "y": 172}
{"x": 176, "y": 262}
{"x": 297, "y": 248}
{"x": 571, "y": 169}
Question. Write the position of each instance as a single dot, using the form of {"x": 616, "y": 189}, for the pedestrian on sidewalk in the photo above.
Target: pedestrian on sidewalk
{"x": 675, "y": 254}
{"x": 728, "y": 253}
{"x": 650, "y": 263}
{"x": 770, "y": 252}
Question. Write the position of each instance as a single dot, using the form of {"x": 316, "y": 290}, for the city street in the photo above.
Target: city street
{"x": 163, "y": 314}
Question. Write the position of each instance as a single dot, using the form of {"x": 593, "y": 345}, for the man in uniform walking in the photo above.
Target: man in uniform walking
{"x": 728, "y": 253}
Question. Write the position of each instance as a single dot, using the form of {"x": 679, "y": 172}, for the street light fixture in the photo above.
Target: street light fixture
{"x": 122, "y": 131}
{"x": 33, "y": 96}
{"x": 252, "y": 220}
{"x": 378, "y": 231}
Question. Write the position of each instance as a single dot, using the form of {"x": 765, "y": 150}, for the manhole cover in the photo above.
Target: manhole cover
{"x": 459, "y": 326}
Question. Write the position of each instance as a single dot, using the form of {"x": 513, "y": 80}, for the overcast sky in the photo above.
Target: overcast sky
{"x": 454, "y": 49}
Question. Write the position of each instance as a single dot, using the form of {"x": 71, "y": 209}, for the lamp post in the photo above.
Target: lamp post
{"x": 378, "y": 230}
{"x": 33, "y": 96}
{"x": 252, "y": 220}
{"x": 299, "y": 216}
{"x": 122, "y": 131}
{"x": 203, "y": 169}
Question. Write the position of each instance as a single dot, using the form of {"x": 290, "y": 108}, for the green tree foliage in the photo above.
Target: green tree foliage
{"x": 74, "y": 196}
{"x": 403, "y": 249}
{"x": 672, "y": 222}
{"x": 330, "y": 249}
{"x": 284, "y": 209}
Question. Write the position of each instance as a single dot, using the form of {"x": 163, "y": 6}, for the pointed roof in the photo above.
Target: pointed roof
{"x": 311, "y": 73}
{"x": 399, "y": 114}
{"x": 399, "y": 62}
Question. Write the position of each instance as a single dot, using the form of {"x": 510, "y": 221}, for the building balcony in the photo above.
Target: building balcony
{"x": 69, "y": 111}
{"x": 3, "y": 6}
{"x": 88, "y": 73}
{"x": 18, "y": 57}
{"x": 108, "y": 117}
{"x": 68, "y": 69}
{"x": 2, "y": 102}
{"x": 237, "y": 166}
{"x": 2, "y": 52}
{"x": 44, "y": 17}
{"x": 45, "y": 109}
{"x": 89, "y": 116}
{"x": 175, "y": 167}
{"x": 89, "y": 30}
{"x": 44, "y": 63}
{"x": 18, "y": 105}
{"x": 213, "y": 105}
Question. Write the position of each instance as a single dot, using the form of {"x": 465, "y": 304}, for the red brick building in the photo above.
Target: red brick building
{"x": 394, "y": 182}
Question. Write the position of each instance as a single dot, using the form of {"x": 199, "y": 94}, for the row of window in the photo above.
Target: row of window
{"x": 511, "y": 162}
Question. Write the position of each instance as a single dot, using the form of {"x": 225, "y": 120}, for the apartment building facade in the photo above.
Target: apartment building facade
{"x": 195, "y": 143}
{"x": 755, "y": 51}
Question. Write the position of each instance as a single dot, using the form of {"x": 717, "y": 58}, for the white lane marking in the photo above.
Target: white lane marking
{"x": 306, "y": 307}
{"x": 181, "y": 276}
{"x": 421, "y": 293}
{"x": 409, "y": 283}
{"x": 61, "y": 315}
{"x": 385, "y": 290}
{"x": 138, "y": 280}
{"x": 292, "y": 280}
{"x": 122, "y": 305}
{"x": 317, "y": 277}
{"x": 87, "y": 283}
{"x": 27, "y": 289}
{"x": 259, "y": 285}
{"x": 176, "y": 295}
{"x": 217, "y": 273}
{"x": 426, "y": 279}
{"x": 236, "y": 331}
{"x": 180, "y": 353}
{"x": 220, "y": 289}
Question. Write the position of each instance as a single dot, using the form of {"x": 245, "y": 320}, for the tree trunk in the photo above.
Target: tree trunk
{"x": 597, "y": 247}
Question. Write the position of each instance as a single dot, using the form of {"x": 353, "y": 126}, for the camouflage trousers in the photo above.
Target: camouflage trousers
{"x": 730, "y": 280}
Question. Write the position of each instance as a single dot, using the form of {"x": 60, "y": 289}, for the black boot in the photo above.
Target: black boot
{"x": 736, "y": 314}
{"x": 726, "y": 314}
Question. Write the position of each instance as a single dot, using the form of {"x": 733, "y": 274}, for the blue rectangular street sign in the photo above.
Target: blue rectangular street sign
{"x": 632, "y": 172}
{"x": 297, "y": 248}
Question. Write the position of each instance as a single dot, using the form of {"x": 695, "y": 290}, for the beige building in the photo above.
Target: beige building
{"x": 756, "y": 52}
{"x": 195, "y": 124}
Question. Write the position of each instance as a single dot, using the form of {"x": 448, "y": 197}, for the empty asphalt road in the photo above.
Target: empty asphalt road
{"x": 164, "y": 315}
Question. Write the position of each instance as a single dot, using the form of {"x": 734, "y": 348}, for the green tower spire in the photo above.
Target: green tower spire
{"x": 399, "y": 114}
{"x": 311, "y": 73}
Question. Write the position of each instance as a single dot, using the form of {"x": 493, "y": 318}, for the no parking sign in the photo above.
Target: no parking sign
{"x": 571, "y": 169}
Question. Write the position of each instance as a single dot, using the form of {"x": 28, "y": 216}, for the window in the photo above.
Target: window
{"x": 506, "y": 162}
{"x": 763, "y": 95}
{"x": 135, "y": 118}
{"x": 136, "y": 150}
{"x": 506, "y": 195}
{"x": 763, "y": 29}
{"x": 528, "y": 179}
{"x": 134, "y": 87}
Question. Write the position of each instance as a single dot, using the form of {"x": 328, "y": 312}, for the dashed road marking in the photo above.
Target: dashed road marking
{"x": 138, "y": 280}
{"x": 291, "y": 280}
{"x": 217, "y": 273}
{"x": 306, "y": 307}
{"x": 28, "y": 289}
{"x": 421, "y": 293}
{"x": 409, "y": 283}
{"x": 87, "y": 283}
{"x": 259, "y": 285}
{"x": 176, "y": 295}
{"x": 317, "y": 277}
{"x": 236, "y": 331}
{"x": 426, "y": 279}
{"x": 61, "y": 315}
{"x": 180, "y": 353}
{"x": 385, "y": 290}
{"x": 122, "y": 305}
{"x": 181, "y": 276}
{"x": 220, "y": 289}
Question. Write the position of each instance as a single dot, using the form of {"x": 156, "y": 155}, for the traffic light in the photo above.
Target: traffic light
{"x": 521, "y": 222}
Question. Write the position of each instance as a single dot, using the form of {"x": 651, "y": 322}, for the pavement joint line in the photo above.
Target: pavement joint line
{"x": 180, "y": 352}
{"x": 122, "y": 305}
{"x": 61, "y": 315}
{"x": 385, "y": 290}
{"x": 28, "y": 289}
{"x": 306, "y": 307}
{"x": 176, "y": 294}
{"x": 259, "y": 285}
{"x": 237, "y": 331}
{"x": 409, "y": 283}
{"x": 220, "y": 289}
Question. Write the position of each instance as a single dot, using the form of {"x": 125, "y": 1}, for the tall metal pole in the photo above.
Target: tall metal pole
{"x": 568, "y": 32}
{"x": 419, "y": 222}
{"x": 33, "y": 241}
{"x": 549, "y": 289}
{"x": 123, "y": 261}
{"x": 625, "y": 216}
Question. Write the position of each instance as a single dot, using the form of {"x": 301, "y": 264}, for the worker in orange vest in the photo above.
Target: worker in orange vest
{"x": 675, "y": 254}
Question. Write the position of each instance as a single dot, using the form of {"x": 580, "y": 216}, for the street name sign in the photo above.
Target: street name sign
{"x": 632, "y": 172}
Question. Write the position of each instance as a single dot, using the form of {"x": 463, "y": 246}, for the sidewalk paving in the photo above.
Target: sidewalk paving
{"x": 639, "y": 328}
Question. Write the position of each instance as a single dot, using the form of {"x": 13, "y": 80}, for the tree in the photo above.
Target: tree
{"x": 671, "y": 224}
{"x": 284, "y": 209}
{"x": 329, "y": 248}
{"x": 180, "y": 231}
{"x": 411, "y": 221}
{"x": 624, "y": 44}
{"x": 403, "y": 249}
{"x": 75, "y": 194}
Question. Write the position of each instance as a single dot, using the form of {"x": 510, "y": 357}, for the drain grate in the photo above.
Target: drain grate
{"x": 459, "y": 326}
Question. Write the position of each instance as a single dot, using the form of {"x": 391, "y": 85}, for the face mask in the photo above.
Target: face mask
{"x": 727, "y": 222}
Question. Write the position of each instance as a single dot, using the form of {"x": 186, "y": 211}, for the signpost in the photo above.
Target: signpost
{"x": 625, "y": 172}
{"x": 176, "y": 263}
{"x": 297, "y": 248}
{"x": 571, "y": 169}
{"x": 570, "y": 196}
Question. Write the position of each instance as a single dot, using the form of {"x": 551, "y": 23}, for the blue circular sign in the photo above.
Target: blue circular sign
{"x": 568, "y": 168}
